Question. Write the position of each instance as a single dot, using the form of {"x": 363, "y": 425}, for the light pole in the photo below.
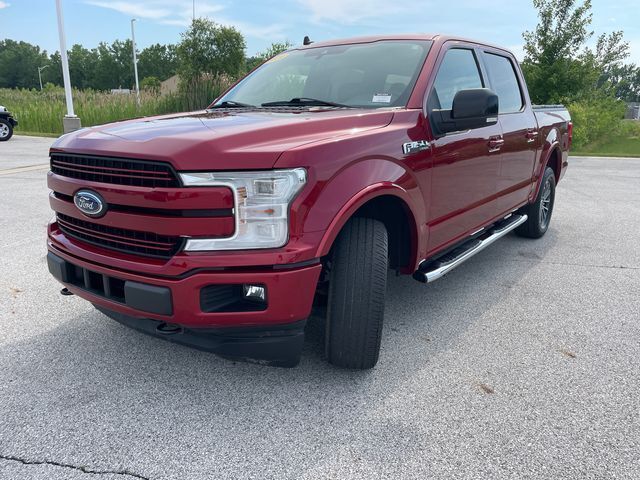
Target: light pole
{"x": 70, "y": 122}
{"x": 135, "y": 61}
{"x": 40, "y": 69}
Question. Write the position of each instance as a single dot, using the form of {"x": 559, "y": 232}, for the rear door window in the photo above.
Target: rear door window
{"x": 504, "y": 82}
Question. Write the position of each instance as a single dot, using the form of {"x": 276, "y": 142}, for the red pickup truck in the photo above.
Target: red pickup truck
{"x": 302, "y": 185}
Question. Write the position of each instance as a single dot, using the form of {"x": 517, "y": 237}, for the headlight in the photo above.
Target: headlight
{"x": 262, "y": 201}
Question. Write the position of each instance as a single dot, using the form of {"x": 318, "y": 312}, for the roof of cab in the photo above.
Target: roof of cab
{"x": 403, "y": 36}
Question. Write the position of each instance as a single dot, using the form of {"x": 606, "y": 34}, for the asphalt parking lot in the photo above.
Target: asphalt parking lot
{"x": 522, "y": 363}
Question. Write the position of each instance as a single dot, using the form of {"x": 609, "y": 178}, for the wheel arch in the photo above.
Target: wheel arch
{"x": 391, "y": 206}
{"x": 551, "y": 156}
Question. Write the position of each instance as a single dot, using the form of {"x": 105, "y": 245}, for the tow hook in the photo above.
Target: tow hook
{"x": 66, "y": 292}
{"x": 168, "y": 328}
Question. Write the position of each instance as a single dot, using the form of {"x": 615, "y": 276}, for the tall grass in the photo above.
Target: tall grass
{"x": 42, "y": 111}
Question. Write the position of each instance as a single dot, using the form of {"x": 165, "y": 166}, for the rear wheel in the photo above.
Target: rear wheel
{"x": 357, "y": 286}
{"x": 6, "y": 130}
{"x": 539, "y": 212}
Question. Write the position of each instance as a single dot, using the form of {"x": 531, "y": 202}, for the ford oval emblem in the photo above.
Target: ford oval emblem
{"x": 90, "y": 203}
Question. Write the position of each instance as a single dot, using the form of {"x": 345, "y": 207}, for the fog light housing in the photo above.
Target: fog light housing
{"x": 254, "y": 293}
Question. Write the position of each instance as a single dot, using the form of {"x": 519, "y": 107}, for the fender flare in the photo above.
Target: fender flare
{"x": 552, "y": 143}
{"x": 361, "y": 198}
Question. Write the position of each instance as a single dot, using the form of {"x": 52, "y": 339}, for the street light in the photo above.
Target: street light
{"x": 70, "y": 122}
{"x": 40, "y": 69}
{"x": 135, "y": 61}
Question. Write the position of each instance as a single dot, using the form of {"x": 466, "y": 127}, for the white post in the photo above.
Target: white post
{"x": 70, "y": 121}
{"x": 135, "y": 61}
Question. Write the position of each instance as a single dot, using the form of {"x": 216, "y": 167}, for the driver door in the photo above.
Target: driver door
{"x": 465, "y": 164}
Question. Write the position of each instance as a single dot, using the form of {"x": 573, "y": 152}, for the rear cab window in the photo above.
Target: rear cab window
{"x": 504, "y": 82}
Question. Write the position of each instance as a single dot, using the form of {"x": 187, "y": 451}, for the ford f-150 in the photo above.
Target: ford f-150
{"x": 305, "y": 183}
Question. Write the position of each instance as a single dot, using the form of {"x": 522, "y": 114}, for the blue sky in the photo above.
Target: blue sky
{"x": 262, "y": 22}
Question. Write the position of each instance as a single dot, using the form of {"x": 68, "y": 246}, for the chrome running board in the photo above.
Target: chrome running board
{"x": 431, "y": 270}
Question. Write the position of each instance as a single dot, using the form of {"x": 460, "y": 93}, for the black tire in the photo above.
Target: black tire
{"x": 6, "y": 130}
{"x": 357, "y": 287}
{"x": 539, "y": 212}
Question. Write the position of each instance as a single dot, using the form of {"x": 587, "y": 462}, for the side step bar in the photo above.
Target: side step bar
{"x": 431, "y": 270}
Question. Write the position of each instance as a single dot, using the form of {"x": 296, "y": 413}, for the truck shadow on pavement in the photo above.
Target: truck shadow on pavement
{"x": 91, "y": 380}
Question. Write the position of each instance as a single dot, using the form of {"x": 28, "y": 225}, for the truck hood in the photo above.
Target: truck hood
{"x": 222, "y": 140}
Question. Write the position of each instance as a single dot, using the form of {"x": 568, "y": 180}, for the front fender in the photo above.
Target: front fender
{"x": 354, "y": 186}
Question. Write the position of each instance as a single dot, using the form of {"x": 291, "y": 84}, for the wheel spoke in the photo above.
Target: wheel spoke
{"x": 545, "y": 204}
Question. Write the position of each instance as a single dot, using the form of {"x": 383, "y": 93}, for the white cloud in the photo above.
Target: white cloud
{"x": 352, "y": 11}
{"x": 4, "y": 5}
{"x": 154, "y": 12}
{"x": 170, "y": 12}
{"x": 180, "y": 12}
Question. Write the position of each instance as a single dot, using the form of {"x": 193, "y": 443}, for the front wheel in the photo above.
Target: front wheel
{"x": 539, "y": 212}
{"x": 357, "y": 286}
{"x": 6, "y": 130}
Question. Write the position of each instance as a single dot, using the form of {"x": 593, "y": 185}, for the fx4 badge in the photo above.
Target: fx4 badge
{"x": 415, "y": 147}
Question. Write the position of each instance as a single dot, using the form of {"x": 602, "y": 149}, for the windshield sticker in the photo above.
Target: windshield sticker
{"x": 381, "y": 98}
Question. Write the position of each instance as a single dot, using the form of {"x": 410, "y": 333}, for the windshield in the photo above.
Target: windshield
{"x": 365, "y": 75}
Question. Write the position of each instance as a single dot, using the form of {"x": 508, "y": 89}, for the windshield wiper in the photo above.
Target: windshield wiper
{"x": 305, "y": 101}
{"x": 232, "y": 104}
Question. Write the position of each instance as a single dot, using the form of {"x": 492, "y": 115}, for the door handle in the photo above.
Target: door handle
{"x": 495, "y": 144}
{"x": 531, "y": 135}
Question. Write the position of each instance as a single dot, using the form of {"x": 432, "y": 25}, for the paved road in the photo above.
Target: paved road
{"x": 523, "y": 363}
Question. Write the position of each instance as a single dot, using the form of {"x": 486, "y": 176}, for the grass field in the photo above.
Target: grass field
{"x": 626, "y": 143}
{"x": 41, "y": 112}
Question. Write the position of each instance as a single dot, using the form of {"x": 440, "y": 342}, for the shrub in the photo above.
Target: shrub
{"x": 595, "y": 119}
{"x": 151, "y": 84}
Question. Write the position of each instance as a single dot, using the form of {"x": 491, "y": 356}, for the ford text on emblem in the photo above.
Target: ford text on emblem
{"x": 90, "y": 203}
{"x": 415, "y": 147}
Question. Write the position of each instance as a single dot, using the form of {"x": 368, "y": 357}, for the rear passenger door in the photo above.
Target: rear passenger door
{"x": 519, "y": 129}
{"x": 465, "y": 163}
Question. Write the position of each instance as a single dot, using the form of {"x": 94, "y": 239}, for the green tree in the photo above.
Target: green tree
{"x": 113, "y": 66}
{"x": 105, "y": 72}
{"x": 625, "y": 82}
{"x": 19, "y": 62}
{"x": 209, "y": 48}
{"x": 122, "y": 52}
{"x": 53, "y": 74}
{"x": 82, "y": 63}
{"x": 552, "y": 63}
{"x": 159, "y": 61}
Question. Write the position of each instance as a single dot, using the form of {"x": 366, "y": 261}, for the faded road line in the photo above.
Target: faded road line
{"x": 42, "y": 166}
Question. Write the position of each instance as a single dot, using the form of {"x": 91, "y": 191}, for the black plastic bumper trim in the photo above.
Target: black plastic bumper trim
{"x": 148, "y": 298}
{"x": 140, "y": 296}
{"x": 277, "y": 345}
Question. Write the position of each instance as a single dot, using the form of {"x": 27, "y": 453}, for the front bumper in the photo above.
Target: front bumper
{"x": 177, "y": 300}
{"x": 277, "y": 345}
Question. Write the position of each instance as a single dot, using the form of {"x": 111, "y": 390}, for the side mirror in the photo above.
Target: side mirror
{"x": 472, "y": 108}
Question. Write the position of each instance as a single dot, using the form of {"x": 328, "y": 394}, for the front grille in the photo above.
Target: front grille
{"x": 120, "y": 171}
{"x": 128, "y": 241}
